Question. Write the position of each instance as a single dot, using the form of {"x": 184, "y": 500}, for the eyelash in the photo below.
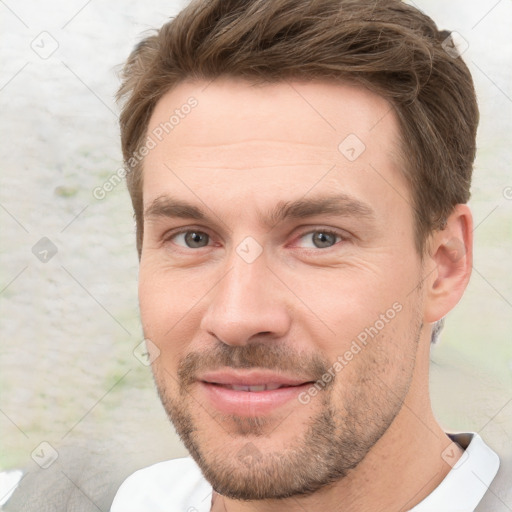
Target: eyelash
{"x": 343, "y": 237}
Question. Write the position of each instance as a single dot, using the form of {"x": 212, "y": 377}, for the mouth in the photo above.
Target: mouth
{"x": 254, "y": 388}
{"x": 251, "y": 393}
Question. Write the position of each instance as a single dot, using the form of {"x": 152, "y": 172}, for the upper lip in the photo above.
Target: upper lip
{"x": 251, "y": 378}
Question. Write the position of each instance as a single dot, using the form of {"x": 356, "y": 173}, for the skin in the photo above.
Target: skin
{"x": 300, "y": 304}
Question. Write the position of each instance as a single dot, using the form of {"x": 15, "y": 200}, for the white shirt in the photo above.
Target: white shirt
{"x": 179, "y": 486}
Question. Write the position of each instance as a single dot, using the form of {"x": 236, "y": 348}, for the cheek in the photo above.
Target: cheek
{"x": 164, "y": 294}
{"x": 168, "y": 310}
{"x": 376, "y": 370}
{"x": 153, "y": 301}
{"x": 350, "y": 305}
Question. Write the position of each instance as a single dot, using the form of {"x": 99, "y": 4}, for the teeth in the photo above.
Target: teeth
{"x": 261, "y": 387}
{"x": 273, "y": 386}
{"x": 248, "y": 388}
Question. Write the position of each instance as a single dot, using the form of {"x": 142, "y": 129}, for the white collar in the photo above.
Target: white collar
{"x": 179, "y": 484}
{"x": 468, "y": 480}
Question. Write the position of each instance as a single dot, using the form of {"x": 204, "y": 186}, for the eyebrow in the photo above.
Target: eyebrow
{"x": 340, "y": 205}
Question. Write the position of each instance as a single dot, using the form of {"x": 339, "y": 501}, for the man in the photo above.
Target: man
{"x": 299, "y": 172}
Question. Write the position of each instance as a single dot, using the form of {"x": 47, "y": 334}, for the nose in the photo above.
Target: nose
{"x": 248, "y": 302}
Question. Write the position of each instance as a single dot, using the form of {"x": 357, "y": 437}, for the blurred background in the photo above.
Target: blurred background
{"x": 72, "y": 372}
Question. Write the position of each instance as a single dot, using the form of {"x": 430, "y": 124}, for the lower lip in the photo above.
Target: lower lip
{"x": 250, "y": 403}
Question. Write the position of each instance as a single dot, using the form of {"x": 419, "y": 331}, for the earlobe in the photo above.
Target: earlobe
{"x": 452, "y": 256}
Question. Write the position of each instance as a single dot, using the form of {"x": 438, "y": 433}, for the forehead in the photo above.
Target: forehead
{"x": 228, "y": 111}
{"x": 240, "y": 138}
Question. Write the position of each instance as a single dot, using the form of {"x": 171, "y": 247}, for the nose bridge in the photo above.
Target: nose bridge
{"x": 246, "y": 300}
{"x": 245, "y": 282}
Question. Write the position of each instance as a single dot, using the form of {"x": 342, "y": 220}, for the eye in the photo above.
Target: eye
{"x": 321, "y": 239}
{"x": 191, "y": 239}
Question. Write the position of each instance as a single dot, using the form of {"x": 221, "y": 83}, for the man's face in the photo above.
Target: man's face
{"x": 301, "y": 268}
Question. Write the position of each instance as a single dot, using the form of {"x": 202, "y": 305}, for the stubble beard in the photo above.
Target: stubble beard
{"x": 333, "y": 440}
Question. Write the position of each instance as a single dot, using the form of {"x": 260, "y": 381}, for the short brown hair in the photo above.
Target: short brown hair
{"x": 387, "y": 46}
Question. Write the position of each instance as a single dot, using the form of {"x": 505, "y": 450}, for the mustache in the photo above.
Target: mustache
{"x": 264, "y": 356}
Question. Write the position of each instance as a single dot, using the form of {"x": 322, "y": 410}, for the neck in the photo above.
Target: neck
{"x": 401, "y": 469}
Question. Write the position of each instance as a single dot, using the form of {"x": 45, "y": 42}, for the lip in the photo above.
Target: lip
{"x": 250, "y": 403}
{"x": 251, "y": 378}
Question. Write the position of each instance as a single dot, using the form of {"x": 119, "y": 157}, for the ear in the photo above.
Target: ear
{"x": 451, "y": 257}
